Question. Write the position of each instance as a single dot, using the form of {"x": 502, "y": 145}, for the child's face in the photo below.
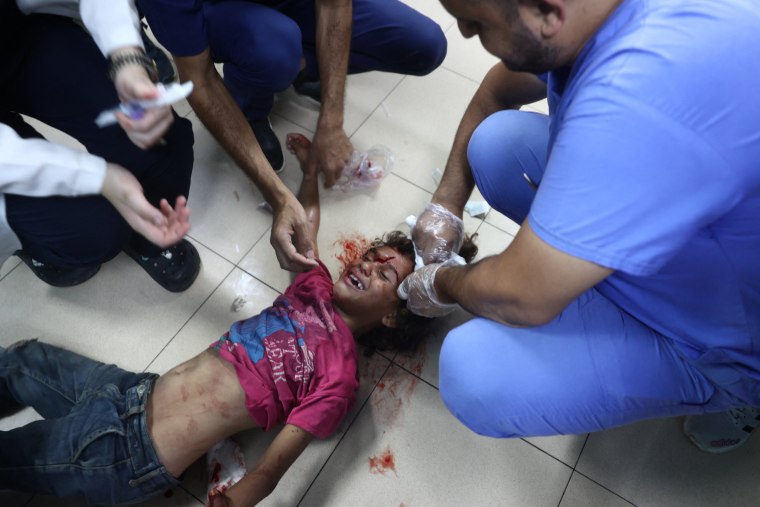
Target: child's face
{"x": 367, "y": 287}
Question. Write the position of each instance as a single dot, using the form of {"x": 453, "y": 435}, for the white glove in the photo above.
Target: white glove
{"x": 418, "y": 289}
{"x": 437, "y": 234}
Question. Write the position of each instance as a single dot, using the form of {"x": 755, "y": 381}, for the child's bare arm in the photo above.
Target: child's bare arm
{"x": 263, "y": 478}
{"x": 308, "y": 196}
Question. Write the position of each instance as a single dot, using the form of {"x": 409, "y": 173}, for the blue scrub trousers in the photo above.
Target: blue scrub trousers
{"x": 593, "y": 367}
{"x": 261, "y": 46}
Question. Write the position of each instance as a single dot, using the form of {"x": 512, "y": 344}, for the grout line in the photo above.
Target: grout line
{"x": 604, "y": 487}
{"x": 195, "y": 312}
{"x": 11, "y": 270}
{"x": 343, "y": 436}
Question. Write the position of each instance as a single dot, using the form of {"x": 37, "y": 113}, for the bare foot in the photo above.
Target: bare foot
{"x": 298, "y": 145}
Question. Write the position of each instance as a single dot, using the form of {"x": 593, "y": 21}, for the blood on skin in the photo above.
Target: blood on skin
{"x": 215, "y": 473}
{"x": 353, "y": 247}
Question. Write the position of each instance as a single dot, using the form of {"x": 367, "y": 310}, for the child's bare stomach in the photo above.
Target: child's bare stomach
{"x": 194, "y": 406}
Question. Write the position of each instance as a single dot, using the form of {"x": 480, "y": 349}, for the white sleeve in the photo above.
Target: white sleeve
{"x": 38, "y": 168}
{"x": 112, "y": 23}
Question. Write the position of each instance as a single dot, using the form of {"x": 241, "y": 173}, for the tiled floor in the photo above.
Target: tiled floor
{"x": 121, "y": 316}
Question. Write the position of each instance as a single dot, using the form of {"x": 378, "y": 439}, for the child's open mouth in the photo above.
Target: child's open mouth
{"x": 355, "y": 281}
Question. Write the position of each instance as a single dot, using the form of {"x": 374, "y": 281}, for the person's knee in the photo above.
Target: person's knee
{"x": 504, "y": 142}
{"x": 500, "y": 132}
{"x": 271, "y": 64}
{"x": 180, "y": 140}
{"x": 466, "y": 394}
{"x": 432, "y": 48}
{"x": 486, "y": 405}
{"x": 22, "y": 343}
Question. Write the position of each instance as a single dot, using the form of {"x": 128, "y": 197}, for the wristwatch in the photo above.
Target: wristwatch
{"x": 117, "y": 62}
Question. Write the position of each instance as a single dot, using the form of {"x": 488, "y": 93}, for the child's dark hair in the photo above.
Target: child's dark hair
{"x": 410, "y": 328}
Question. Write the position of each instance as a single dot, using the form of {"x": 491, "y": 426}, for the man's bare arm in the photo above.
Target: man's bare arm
{"x": 435, "y": 235}
{"x": 223, "y": 118}
{"x": 528, "y": 284}
{"x": 331, "y": 148}
{"x": 500, "y": 89}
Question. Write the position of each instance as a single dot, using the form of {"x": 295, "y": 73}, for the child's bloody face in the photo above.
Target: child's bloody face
{"x": 367, "y": 287}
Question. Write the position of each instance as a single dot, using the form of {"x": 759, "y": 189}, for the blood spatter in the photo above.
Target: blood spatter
{"x": 352, "y": 247}
{"x": 383, "y": 462}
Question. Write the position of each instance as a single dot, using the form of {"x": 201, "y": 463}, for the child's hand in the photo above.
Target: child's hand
{"x": 218, "y": 499}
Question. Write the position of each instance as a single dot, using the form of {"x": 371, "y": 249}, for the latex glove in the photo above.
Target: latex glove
{"x": 133, "y": 83}
{"x": 290, "y": 237}
{"x": 437, "y": 233}
{"x": 330, "y": 153}
{"x": 418, "y": 289}
{"x": 163, "y": 227}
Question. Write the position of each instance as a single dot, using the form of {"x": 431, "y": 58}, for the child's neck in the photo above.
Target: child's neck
{"x": 354, "y": 322}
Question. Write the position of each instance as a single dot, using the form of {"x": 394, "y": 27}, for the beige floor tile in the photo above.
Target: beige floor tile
{"x": 582, "y": 492}
{"x": 8, "y": 266}
{"x": 238, "y": 297}
{"x": 652, "y": 463}
{"x": 364, "y": 94}
{"x": 225, "y": 205}
{"x": 502, "y": 222}
{"x": 423, "y": 114}
{"x": 121, "y": 315}
{"x": 566, "y": 448}
{"x": 467, "y": 56}
{"x": 405, "y": 449}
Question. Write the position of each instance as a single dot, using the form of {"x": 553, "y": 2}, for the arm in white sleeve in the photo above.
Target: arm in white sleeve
{"x": 38, "y": 168}
{"x": 112, "y": 23}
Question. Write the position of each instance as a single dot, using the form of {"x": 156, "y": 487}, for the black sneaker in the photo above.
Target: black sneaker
{"x": 57, "y": 276}
{"x": 175, "y": 269}
{"x": 269, "y": 143}
{"x": 163, "y": 64}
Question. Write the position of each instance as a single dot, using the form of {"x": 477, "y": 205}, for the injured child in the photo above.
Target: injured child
{"x": 118, "y": 437}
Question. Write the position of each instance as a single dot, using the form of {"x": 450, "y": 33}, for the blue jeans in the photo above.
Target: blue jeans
{"x": 94, "y": 439}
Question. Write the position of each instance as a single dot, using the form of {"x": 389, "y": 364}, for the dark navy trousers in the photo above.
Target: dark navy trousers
{"x": 261, "y": 46}
{"x": 54, "y": 72}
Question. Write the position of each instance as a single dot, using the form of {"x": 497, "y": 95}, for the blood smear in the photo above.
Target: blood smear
{"x": 382, "y": 463}
{"x": 353, "y": 246}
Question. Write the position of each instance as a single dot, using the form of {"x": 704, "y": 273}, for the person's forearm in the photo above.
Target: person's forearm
{"x": 256, "y": 486}
{"x": 308, "y": 196}
{"x": 222, "y": 117}
{"x": 528, "y": 284}
{"x": 501, "y": 89}
{"x": 334, "y": 20}
{"x": 478, "y": 289}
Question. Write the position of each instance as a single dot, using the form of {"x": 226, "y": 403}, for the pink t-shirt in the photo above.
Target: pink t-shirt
{"x": 296, "y": 360}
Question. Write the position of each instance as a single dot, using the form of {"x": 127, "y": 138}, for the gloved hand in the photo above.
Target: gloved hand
{"x": 437, "y": 233}
{"x": 418, "y": 289}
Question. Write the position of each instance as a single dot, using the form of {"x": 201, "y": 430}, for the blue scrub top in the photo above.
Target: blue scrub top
{"x": 654, "y": 171}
